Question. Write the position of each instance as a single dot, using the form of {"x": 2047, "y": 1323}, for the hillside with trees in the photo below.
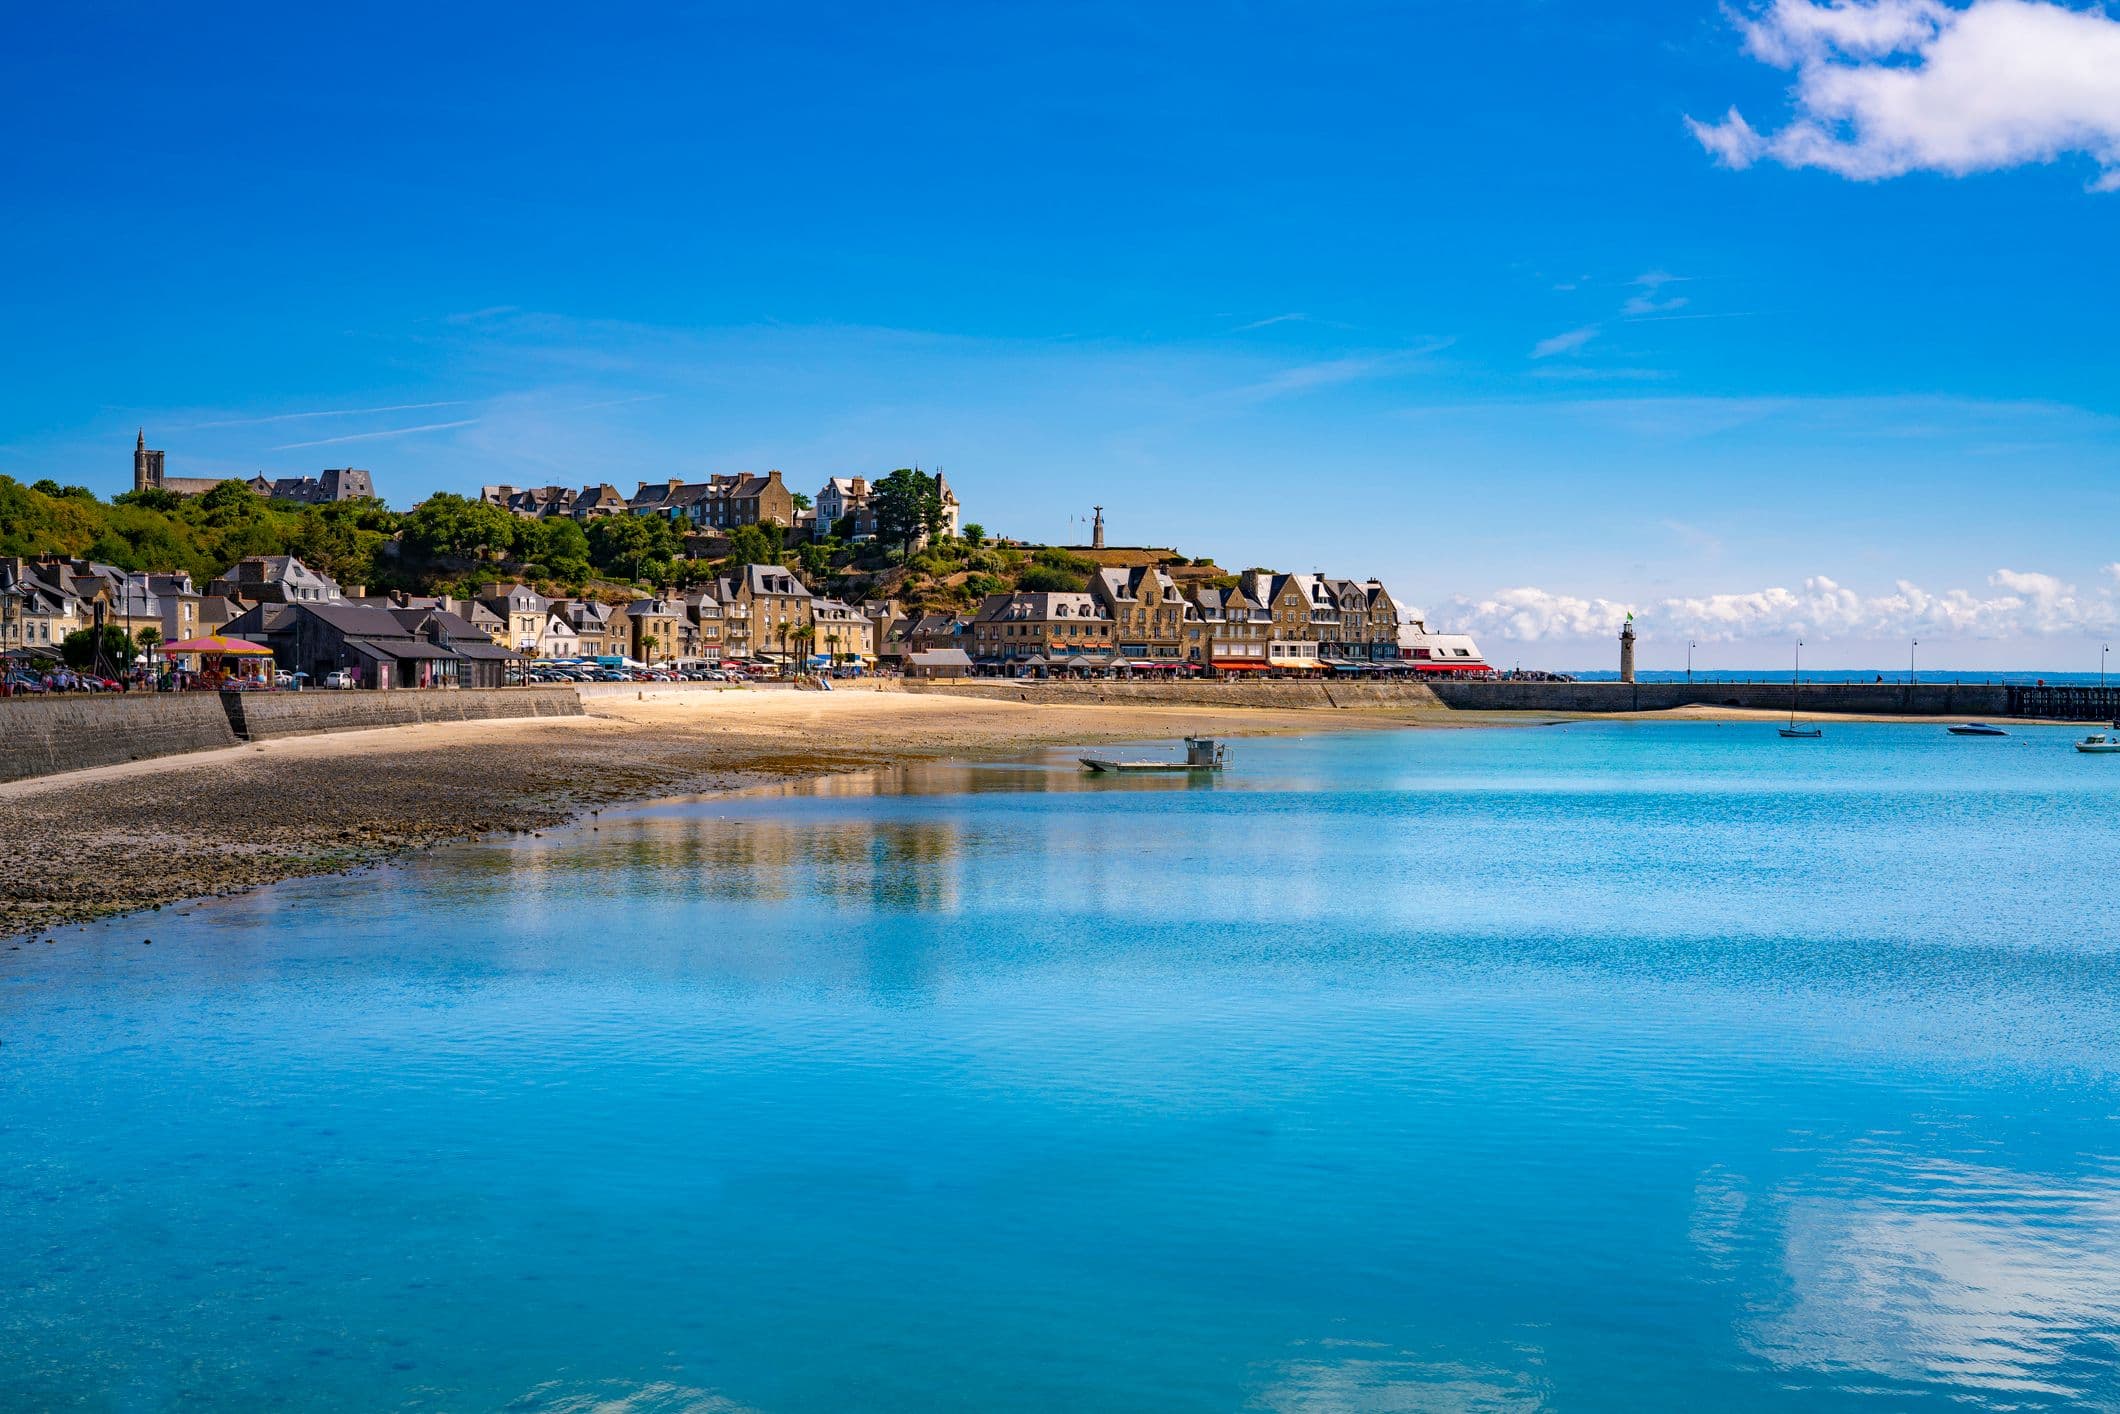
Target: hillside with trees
{"x": 451, "y": 544}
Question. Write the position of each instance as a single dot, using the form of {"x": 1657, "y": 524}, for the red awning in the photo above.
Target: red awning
{"x": 1235, "y": 666}
{"x": 1451, "y": 668}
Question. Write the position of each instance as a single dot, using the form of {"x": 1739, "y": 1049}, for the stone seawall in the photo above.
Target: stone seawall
{"x": 261, "y": 716}
{"x": 1854, "y": 698}
{"x": 40, "y": 736}
{"x": 1412, "y": 695}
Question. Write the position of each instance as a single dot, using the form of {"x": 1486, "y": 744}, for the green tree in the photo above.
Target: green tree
{"x": 974, "y": 534}
{"x": 623, "y": 546}
{"x": 450, "y": 527}
{"x": 80, "y": 647}
{"x": 801, "y": 500}
{"x": 906, "y": 503}
{"x": 750, "y": 545}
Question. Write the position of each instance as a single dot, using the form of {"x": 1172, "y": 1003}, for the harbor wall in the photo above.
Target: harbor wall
{"x": 1851, "y": 698}
{"x": 41, "y": 736}
{"x": 1346, "y": 695}
{"x": 261, "y": 716}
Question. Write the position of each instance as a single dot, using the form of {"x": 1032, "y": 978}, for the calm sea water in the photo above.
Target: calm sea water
{"x": 1599, "y": 1067}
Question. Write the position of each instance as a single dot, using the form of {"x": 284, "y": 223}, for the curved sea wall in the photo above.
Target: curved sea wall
{"x": 259, "y": 716}
{"x": 42, "y": 736}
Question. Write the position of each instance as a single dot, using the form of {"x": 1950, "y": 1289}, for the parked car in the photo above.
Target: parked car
{"x": 341, "y": 678}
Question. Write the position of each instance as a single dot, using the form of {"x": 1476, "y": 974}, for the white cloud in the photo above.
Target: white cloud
{"x": 1567, "y": 342}
{"x": 1887, "y": 87}
{"x": 2015, "y": 604}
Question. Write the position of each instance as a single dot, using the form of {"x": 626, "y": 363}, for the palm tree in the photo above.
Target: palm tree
{"x": 649, "y": 642}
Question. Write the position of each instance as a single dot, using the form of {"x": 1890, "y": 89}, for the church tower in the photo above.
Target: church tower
{"x": 147, "y": 464}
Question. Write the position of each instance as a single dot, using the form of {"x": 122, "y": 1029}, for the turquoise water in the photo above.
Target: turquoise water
{"x": 1603, "y": 1067}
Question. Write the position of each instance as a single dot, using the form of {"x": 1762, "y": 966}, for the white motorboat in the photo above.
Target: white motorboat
{"x": 2101, "y": 744}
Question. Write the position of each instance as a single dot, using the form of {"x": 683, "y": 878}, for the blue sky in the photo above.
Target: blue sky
{"x": 1498, "y": 302}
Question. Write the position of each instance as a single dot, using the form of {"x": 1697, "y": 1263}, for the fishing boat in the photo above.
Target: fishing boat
{"x": 2101, "y": 743}
{"x": 1201, "y": 754}
{"x": 1792, "y": 730}
{"x": 1975, "y": 729}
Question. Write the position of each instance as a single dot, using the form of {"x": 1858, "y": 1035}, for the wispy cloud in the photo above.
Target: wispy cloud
{"x": 1270, "y": 321}
{"x": 327, "y": 412}
{"x": 1564, "y": 343}
{"x": 372, "y": 436}
{"x": 1888, "y": 87}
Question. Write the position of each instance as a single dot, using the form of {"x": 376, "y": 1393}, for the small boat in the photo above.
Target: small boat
{"x": 2101, "y": 743}
{"x": 1793, "y": 731}
{"x": 1976, "y": 729}
{"x": 1201, "y": 754}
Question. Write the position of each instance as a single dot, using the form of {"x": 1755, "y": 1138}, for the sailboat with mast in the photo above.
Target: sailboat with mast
{"x": 1792, "y": 730}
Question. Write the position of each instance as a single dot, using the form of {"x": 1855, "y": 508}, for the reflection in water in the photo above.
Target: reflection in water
{"x": 1366, "y": 1376}
{"x": 1923, "y": 1270}
{"x": 1606, "y": 1067}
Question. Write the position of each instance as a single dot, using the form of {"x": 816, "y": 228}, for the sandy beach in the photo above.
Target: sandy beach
{"x": 122, "y": 838}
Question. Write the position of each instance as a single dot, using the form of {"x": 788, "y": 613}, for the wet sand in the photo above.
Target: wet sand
{"x": 117, "y": 839}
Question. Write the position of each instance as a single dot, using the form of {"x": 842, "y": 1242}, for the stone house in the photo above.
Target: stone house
{"x": 1229, "y": 633}
{"x": 522, "y": 612}
{"x": 181, "y": 603}
{"x": 558, "y": 638}
{"x": 844, "y": 634}
{"x": 275, "y": 579}
{"x": 599, "y": 630}
{"x": 35, "y": 614}
{"x": 1149, "y": 616}
{"x": 708, "y": 623}
{"x": 658, "y": 629}
{"x": 767, "y": 609}
{"x": 1291, "y": 645}
{"x": 1010, "y": 628}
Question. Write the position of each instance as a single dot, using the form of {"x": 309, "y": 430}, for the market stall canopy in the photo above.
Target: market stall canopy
{"x": 239, "y": 647}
